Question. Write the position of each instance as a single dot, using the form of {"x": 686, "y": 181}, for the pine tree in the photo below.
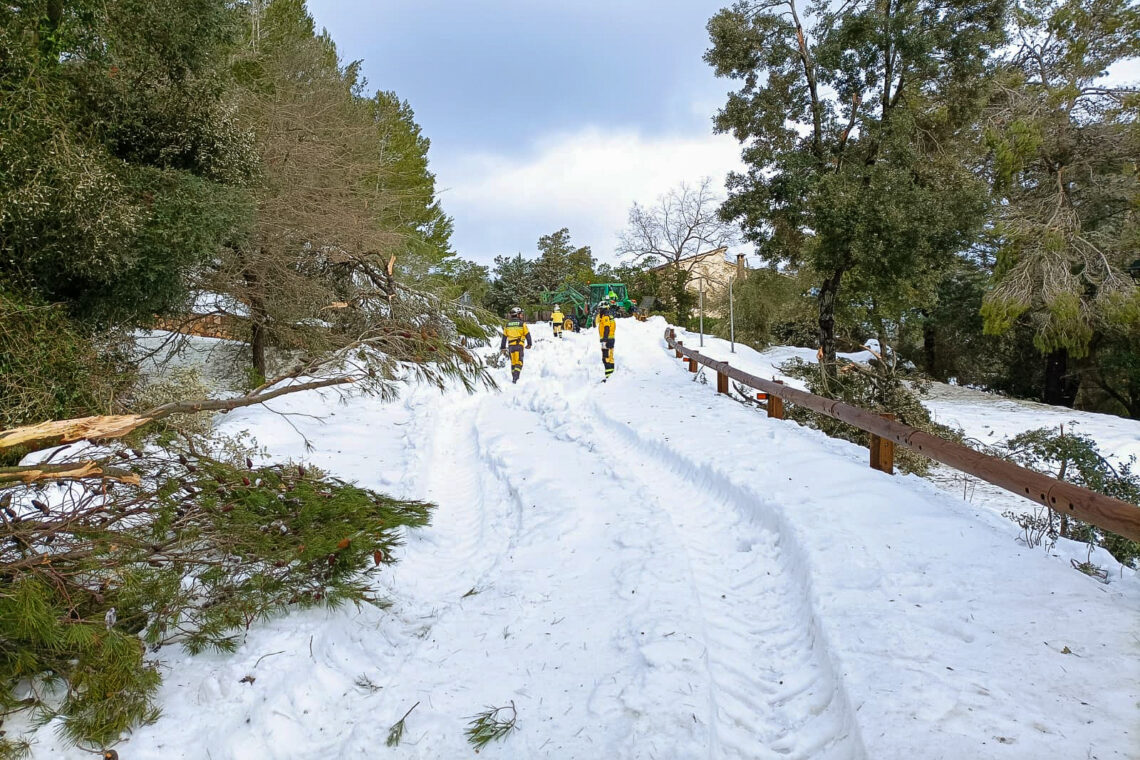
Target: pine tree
{"x": 121, "y": 160}
{"x": 192, "y": 548}
{"x": 847, "y": 116}
{"x": 151, "y": 155}
{"x": 416, "y": 212}
{"x": 1064, "y": 150}
{"x": 560, "y": 263}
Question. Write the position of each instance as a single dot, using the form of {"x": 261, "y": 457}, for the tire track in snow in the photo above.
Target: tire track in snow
{"x": 774, "y": 690}
{"x": 474, "y": 525}
{"x": 640, "y": 608}
{"x": 773, "y": 673}
{"x": 475, "y": 519}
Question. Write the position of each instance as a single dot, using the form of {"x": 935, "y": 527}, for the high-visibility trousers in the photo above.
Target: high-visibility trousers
{"x": 516, "y": 361}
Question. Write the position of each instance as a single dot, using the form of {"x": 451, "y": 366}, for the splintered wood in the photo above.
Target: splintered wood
{"x": 69, "y": 431}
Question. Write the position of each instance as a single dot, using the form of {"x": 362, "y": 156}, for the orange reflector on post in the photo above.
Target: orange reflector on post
{"x": 761, "y": 396}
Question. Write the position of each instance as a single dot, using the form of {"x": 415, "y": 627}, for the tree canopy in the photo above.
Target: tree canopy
{"x": 847, "y": 116}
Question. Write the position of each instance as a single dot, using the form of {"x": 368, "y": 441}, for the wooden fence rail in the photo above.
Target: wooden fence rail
{"x": 1064, "y": 498}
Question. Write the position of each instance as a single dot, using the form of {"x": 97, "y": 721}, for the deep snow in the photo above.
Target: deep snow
{"x": 649, "y": 570}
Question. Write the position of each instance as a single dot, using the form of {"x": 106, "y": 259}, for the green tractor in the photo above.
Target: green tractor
{"x": 574, "y": 306}
{"x": 580, "y": 309}
{"x": 599, "y": 291}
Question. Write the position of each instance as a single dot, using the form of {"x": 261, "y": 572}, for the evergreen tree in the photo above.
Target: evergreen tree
{"x": 312, "y": 138}
{"x": 456, "y": 278}
{"x": 519, "y": 281}
{"x": 120, "y": 161}
{"x": 954, "y": 345}
{"x": 770, "y": 307}
{"x": 513, "y": 285}
{"x": 151, "y": 150}
{"x": 1064, "y": 163}
{"x": 416, "y": 211}
{"x": 192, "y": 548}
{"x": 51, "y": 367}
{"x": 847, "y": 116}
{"x": 560, "y": 264}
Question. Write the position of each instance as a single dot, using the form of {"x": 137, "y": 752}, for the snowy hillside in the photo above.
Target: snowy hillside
{"x": 648, "y": 570}
{"x": 983, "y": 416}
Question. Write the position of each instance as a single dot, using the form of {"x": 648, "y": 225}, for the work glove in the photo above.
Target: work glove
{"x": 504, "y": 351}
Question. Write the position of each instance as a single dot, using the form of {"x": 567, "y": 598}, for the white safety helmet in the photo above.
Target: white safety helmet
{"x": 516, "y": 311}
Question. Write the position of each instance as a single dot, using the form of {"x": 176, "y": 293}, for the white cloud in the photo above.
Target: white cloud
{"x": 585, "y": 180}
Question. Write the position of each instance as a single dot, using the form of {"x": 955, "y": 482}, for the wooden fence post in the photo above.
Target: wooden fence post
{"x": 692, "y": 365}
{"x": 722, "y": 383}
{"x": 776, "y": 404}
{"x": 883, "y": 451}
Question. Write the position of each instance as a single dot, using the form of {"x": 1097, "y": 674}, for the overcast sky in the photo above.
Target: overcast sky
{"x": 545, "y": 114}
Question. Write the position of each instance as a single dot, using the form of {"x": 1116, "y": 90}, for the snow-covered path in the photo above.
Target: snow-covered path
{"x": 647, "y": 570}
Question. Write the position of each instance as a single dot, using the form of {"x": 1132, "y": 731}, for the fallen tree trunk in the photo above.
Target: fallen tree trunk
{"x": 57, "y": 432}
{"x": 69, "y": 431}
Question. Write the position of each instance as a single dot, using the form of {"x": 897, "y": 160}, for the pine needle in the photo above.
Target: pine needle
{"x": 490, "y": 725}
{"x": 365, "y": 683}
{"x": 396, "y": 732}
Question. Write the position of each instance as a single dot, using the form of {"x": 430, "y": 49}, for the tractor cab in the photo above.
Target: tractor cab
{"x": 600, "y": 291}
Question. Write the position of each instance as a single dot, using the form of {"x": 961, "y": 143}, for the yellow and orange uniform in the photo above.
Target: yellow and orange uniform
{"x": 516, "y": 337}
{"x": 607, "y": 328}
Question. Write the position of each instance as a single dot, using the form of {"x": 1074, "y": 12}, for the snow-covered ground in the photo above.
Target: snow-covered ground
{"x": 648, "y": 570}
{"x": 985, "y": 418}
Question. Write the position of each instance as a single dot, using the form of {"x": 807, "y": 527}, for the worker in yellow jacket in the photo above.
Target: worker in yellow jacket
{"x": 607, "y": 327}
{"x": 515, "y": 335}
{"x": 556, "y": 320}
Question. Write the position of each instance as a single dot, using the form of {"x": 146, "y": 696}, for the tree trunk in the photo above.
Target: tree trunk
{"x": 1060, "y": 385}
{"x": 827, "y": 294}
{"x": 929, "y": 352}
{"x": 259, "y": 318}
{"x": 257, "y": 341}
{"x": 681, "y": 296}
{"x": 880, "y": 334}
